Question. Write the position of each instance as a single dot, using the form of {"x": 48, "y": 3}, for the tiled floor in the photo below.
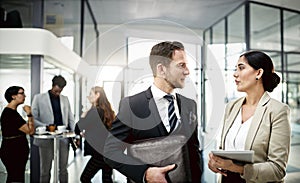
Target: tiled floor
{"x": 77, "y": 163}
{"x": 293, "y": 169}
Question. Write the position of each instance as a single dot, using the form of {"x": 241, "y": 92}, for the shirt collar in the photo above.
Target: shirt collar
{"x": 159, "y": 94}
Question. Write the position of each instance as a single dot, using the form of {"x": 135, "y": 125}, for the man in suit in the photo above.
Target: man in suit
{"x": 146, "y": 115}
{"x": 53, "y": 108}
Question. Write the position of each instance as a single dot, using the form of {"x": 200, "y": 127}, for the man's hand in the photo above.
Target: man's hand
{"x": 158, "y": 174}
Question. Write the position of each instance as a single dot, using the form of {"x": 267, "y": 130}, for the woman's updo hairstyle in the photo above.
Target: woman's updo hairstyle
{"x": 260, "y": 60}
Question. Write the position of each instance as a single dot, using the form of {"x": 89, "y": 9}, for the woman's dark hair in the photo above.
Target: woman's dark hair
{"x": 13, "y": 90}
{"x": 59, "y": 81}
{"x": 260, "y": 60}
{"x": 162, "y": 53}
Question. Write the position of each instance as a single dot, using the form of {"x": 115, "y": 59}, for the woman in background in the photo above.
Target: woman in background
{"x": 100, "y": 104}
{"x": 255, "y": 122}
{"x": 14, "y": 148}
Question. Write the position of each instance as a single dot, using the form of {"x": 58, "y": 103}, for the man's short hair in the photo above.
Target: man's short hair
{"x": 59, "y": 81}
{"x": 162, "y": 53}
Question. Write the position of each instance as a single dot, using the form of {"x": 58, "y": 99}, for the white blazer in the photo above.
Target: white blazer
{"x": 42, "y": 112}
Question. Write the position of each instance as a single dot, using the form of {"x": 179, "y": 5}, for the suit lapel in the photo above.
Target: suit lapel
{"x": 49, "y": 105}
{"x": 231, "y": 118}
{"x": 183, "y": 111}
{"x": 257, "y": 120}
{"x": 188, "y": 118}
{"x": 161, "y": 127}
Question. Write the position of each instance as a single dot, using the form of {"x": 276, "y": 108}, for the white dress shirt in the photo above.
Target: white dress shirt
{"x": 162, "y": 106}
{"x": 236, "y": 137}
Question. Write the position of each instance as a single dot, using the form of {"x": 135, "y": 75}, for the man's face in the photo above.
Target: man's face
{"x": 56, "y": 90}
{"x": 177, "y": 71}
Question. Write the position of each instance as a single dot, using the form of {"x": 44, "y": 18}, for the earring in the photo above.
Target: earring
{"x": 256, "y": 79}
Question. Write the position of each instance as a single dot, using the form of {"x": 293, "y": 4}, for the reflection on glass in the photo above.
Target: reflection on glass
{"x": 293, "y": 62}
{"x": 293, "y": 96}
{"x": 15, "y": 71}
{"x": 265, "y": 27}
{"x": 291, "y": 22}
{"x": 236, "y": 26}
{"x": 219, "y": 33}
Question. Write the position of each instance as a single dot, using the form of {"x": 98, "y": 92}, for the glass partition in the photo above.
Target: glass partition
{"x": 291, "y": 22}
{"x": 234, "y": 47}
{"x": 264, "y": 27}
{"x": 293, "y": 62}
{"x": 293, "y": 84}
{"x": 15, "y": 71}
{"x": 55, "y": 17}
{"x": 19, "y": 10}
{"x": 218, "y": 43}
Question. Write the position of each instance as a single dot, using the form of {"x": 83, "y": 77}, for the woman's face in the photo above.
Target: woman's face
{"x": 245, "y": 75}
{"x": 20, "y": 97}
{"x": 93, "y": 97}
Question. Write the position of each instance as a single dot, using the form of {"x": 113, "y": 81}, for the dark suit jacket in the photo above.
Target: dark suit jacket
{"x": 138, "y": 119}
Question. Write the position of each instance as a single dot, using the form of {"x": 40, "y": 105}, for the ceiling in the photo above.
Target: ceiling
{"x": 193, "y": 14}
{"x": 198, "y": 14}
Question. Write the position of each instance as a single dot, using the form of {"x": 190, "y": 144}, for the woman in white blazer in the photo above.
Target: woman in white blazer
{"x": 255, "y": 122}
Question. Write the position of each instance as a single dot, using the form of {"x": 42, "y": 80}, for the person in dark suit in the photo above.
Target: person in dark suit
{"x": 147, "y": 115}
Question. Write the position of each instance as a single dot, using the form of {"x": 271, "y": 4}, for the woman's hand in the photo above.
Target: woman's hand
{"x": 214, "y": 164}
{"x": 220, "y": 165}
{"x": 27, "y": 109}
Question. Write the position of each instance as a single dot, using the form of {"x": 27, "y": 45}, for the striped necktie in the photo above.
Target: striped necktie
{"x": 171, "y": 112}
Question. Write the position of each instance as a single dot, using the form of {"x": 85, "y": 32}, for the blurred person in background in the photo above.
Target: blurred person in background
{"x": 14, "y": 149}
{"x": 53, "y": 108}
{"x": 87, "y": 125}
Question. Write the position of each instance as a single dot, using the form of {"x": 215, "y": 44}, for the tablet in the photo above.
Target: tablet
{"x": 243, "y": 157}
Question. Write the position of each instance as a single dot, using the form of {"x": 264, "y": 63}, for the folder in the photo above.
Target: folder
{"x": 163, "y": 151}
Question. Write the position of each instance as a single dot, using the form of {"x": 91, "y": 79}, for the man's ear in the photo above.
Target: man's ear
{"x": 161, "y": 70}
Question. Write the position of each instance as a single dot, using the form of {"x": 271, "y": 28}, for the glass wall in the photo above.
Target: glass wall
{"x": 264, "y": 27}
{"x": 228, "y": 38}
{"x": 15, "y": 71}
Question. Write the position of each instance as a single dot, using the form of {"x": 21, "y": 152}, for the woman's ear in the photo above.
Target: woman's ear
{"x": 259, "y": 73}
{"x": 97, "y": 94}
